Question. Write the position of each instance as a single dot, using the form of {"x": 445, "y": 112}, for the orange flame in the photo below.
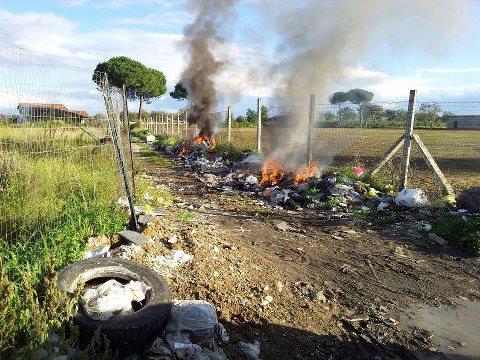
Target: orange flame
{"x": 208, "y": 139}
{"x": 272, "y": 172}
{"x": 303, "y": 176}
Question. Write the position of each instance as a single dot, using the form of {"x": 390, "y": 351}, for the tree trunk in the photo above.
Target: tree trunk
{"x": 140, "y": 109}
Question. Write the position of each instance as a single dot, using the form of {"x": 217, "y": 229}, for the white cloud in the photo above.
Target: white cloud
{"x": 449, "y": 70}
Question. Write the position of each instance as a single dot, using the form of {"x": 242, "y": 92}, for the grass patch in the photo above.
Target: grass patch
{"x": 187, "y": 217}
{"x": 146, "y": 189}
{"x": 167, "y": 140}
{"x": 462, "y": 232}
{"x": 230, "y": 151}
{"x": 57, "y": 188}
{"x": 376, "y": 217}
{"x": 156, "y": 159}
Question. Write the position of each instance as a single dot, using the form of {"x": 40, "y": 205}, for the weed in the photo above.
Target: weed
{"x": 463, "y": 232}
{"x": 167, "y": 140}
{"x": 187, "y": 217}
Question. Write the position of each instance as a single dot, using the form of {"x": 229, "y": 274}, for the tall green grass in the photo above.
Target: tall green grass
{"x": 57, "y": 188}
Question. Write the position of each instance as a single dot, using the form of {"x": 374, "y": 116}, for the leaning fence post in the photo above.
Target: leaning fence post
{"x": 407, "y": 144}
{"x": 127, "y": 128}
{"x": 259, "y": 125}
{"x": 229, "y": 119}
{"x": 311, "y": 128}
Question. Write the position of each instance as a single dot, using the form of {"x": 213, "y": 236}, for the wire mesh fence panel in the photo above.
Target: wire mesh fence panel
{"x": 361, "y": 135}
{"x": 57, "y": 162}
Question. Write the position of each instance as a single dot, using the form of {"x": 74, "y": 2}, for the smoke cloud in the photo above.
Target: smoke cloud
{"x": 201, "y": 37}
{"x": 321, "y": 40}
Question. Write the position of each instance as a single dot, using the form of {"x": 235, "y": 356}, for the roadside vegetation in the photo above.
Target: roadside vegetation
{"x": 57, "y": 189}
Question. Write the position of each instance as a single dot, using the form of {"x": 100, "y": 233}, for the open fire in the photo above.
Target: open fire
{"x": 202, "y": 137}
{"x": 273, "y": 173}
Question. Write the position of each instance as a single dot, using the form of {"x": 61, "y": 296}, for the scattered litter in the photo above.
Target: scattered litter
{"x": 150, "y": 139}
{"x": 358, "y": 171}
{"x": 197, "y": 318}
{"x": 411, "y": 198}
{"x": 251, "y": 350}
{"x": 102, "y": 252}
{"x": 126, "y": 251}
{"x": 112, "y": 298}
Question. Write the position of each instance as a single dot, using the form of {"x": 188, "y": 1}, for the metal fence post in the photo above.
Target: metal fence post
{"x": 311, "y": 128}
{"x": 229, "y": 116}
{"x": 107, "y": 96}
{"x": 127, "y": 129}
{"x": 259, "y": 125}
{"x": 407, "y": 144}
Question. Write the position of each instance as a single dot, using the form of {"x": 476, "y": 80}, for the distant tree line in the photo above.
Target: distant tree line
{"x": 367, "y": 114}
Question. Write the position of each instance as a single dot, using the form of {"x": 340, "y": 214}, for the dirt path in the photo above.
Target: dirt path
{"x": 306, "y": 285}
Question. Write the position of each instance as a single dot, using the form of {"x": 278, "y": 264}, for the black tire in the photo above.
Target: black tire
{"x": 130, "y": 333}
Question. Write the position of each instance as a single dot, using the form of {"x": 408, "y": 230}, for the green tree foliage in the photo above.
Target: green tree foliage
{"x": 359, "y": 96}
{"x": 251, "y": 117}
{"x": 141, "y": 83}
{"x": 373, "y": 111}
{"x": 180, "y": 92}
{"x": 429, "y": 115}
{"x": 338, "y": 97}
{"x": 347, "y": 115}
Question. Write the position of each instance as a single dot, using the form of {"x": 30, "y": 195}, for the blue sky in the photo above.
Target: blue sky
{"x": 85, "y": 32}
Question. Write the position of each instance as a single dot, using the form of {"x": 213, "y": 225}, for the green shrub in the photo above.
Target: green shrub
{"x": 167, "y": 140}
{"x": 463, "y": 232}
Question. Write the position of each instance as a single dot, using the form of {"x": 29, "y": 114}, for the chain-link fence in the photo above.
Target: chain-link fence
{"x": 59, "y": 170}
{"x": 347, "y": 135}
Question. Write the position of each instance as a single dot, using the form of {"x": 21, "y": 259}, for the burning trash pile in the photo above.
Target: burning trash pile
{"x": 281, "y": 184}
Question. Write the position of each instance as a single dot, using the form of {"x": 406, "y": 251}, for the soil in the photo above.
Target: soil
{"x": 306, "y": 284}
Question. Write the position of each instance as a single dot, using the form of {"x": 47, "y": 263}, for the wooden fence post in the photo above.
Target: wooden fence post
{"x": 186, "y": 124}
{"x": 311, "y": 128}
{"x": 407, "y": 144}
{"x": 229, "y": 117}
{"x": 178, "y": 123}
{"x": 259, "y": 126}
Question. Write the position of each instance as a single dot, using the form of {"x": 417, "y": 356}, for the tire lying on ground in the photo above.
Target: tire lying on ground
{"x": 127, "y": 333}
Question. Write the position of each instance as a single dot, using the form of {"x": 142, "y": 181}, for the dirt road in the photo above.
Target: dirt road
{"x": 306, "y": 285}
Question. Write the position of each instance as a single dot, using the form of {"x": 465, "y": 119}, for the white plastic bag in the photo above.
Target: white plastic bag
{"x": 113, "y": 298}
{"x": 411, "y": 198}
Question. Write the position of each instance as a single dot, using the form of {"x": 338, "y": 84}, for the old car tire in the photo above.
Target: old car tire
{"x": 129, "y": 333}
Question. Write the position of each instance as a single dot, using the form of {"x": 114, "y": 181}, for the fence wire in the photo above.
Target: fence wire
{"x": 56, "y": 151}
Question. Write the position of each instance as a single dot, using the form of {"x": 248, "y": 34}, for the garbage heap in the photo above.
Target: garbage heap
{"x": 293, "y": 190}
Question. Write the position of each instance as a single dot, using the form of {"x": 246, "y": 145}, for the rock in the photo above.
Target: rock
{"x": 251, "y": 350}
{"x": 144, "y": 219}
{"x": 133, "y": 237}
{"x": 282, "y": 226}
{"x": 266, "y": 300}
{"x": 437, "y": 239}
{"x": 318, "y": 296}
